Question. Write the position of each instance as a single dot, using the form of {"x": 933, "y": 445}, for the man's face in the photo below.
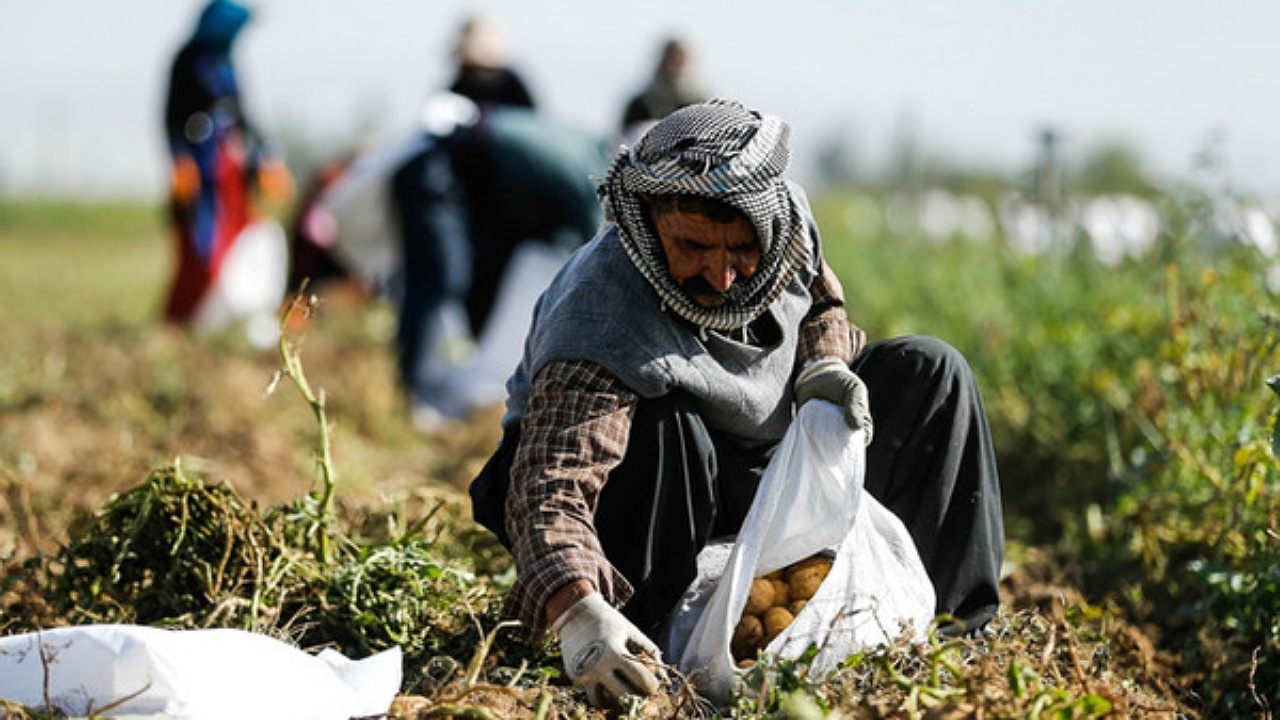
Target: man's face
{"x": 706, "y": 257}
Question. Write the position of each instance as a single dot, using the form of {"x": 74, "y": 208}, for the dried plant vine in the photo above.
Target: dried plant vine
{"x": 291, "y": 361}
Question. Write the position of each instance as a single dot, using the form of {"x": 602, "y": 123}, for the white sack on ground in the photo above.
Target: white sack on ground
{"x": 471, "y": 373}
{"x": 145, "y": 672}
{"x": 810, "y": 500}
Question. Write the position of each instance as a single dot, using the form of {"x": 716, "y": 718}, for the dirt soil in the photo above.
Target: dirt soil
{"x": 84, "y": 418}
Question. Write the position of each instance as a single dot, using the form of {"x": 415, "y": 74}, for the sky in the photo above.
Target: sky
{"x": 82, "y": 82}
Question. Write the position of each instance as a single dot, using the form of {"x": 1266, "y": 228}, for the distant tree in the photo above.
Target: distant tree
{"x": 1046, "y": 177}
{"x": 1114, "y": 168}
{"x": 838, "y": 157}
{"x": 904, "y": 168}
{"x": 987, "y": 184}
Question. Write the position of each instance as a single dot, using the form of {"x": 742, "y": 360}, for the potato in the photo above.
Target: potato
{"x": 805, "y": 583}
{"x": 746, "y": 637}
{"x": 776, "y": 619}
{"x": 805, "y": 576}
{"x": 820, "y": 561}
{"x": 781, "y": 593}
{"x": 760, "y": 597}
{"x": 796, "y": 606}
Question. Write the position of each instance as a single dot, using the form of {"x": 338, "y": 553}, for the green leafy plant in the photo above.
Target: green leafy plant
{"x": 1128, "y": 419}
{"x": 174, "y": 550}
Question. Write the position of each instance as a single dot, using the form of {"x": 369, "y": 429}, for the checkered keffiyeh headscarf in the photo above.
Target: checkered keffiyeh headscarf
{"x": 722, "y": 150}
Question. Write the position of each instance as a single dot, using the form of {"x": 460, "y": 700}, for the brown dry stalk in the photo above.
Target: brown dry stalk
{"x": 1077, "y": 666}
{"x": 1046, "y": 657}
{"x": 290, "y": 356}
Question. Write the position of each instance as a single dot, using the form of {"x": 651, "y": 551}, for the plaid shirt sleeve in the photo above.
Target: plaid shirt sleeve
{"x": 573, "y": 433}
{"x": 826, "y": 330}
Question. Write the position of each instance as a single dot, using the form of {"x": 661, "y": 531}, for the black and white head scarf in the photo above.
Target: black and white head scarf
{"x": 722, "y": 150}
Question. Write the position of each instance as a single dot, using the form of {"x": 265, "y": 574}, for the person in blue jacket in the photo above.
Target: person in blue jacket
{"x": 219, "y": 160}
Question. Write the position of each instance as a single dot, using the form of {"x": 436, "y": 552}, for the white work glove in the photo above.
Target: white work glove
{"x": 833, "y": 381}
{"x": 604, "y": 653}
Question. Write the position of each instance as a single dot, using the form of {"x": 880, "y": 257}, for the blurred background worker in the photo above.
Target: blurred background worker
{"x": 312, "y": 233}
{"x": 675, "y": 83}
{"x": 218, "y": 162}
{"x": 501, "y": 177}
{"x": 484, "y": 73}
{"x": 461, "y": 224}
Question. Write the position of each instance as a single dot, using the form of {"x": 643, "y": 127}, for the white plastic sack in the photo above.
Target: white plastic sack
{"x": 471, "y": 373}
{"x": 481, "y": 380}
{"x": 811, "y": 500}
{"x": 368, "y": 238}
{"x": 190, "y": 674}
{"x": 250, "y": 284}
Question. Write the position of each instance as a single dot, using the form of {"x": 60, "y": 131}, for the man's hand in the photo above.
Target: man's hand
{"x": 604, "y": 653}
{"x": 832, "y": 380}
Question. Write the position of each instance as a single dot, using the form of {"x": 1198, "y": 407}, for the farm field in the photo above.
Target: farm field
{"x": 1131, "y": 414}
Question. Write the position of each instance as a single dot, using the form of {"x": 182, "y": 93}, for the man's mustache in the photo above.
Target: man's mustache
{"x": 698, "y": 286}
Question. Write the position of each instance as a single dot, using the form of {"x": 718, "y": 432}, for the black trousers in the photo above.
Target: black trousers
{"x": 682, "y": 483}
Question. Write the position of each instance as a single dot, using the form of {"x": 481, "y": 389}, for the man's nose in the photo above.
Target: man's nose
{"x": 720, "y": 273}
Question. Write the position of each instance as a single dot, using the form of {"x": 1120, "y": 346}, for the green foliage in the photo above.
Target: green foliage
{"x": 1114, "y": 168}
{"x": 947, "y": 678}
{"x": 1273, "y": 382}
{"x": 179, "y": 551}
{"x": 1130, "y": 413}
{"x": 1135, "y": 431}
{"x": 401, "y": 594}
{"x": 1200, "y": 517}
{"x": 778, "y": 688}
{"x": 1043, "y": 335}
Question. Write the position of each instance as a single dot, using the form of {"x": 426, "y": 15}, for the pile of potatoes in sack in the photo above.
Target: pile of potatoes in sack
{"x": 773, "y": 603}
